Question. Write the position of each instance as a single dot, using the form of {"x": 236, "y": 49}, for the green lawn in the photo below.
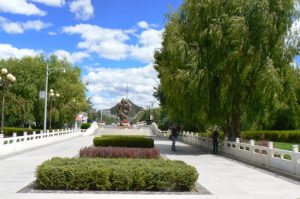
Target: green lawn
{"x": 284, "y": 145}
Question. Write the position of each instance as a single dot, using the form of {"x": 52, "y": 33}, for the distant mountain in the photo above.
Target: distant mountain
{"x": 134, "y": 110}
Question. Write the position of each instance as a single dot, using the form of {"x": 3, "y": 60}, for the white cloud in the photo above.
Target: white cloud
{"x": 107, "y": 43}
{"x": 108, "y": 85}
{"x": 112, "y": 43}
{"x": 293, "y": 36}
{"x": 35, "y": 25}
{"x": 8, "y": 51}
{"x": 19, "y": 27}
{"x": 71, "y": 57}
{"x": 54, "y": 3}
{"x": 52, "y": 33}
{"x": 20, "y": 7}
{"x": 83, "y": 9}
{"x": 149, "y": 41}
{"x": 143, "y": 24}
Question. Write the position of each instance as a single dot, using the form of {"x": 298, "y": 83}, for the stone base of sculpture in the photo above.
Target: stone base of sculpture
{"x": 125, "y": 123}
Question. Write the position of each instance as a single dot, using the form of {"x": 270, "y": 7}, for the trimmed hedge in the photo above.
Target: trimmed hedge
{"x": 119, "y": 152}
{"x": 290, "y": 136}
{"x": 8, "y": 131}
{"x": 115, "y": 174}
{"x": 124, "y": 141}
{"x": 85, "y": 125}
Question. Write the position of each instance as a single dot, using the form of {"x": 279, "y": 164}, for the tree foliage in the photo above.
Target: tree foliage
{"x": 225, "y": 60}
{"x": 23, "y": 105}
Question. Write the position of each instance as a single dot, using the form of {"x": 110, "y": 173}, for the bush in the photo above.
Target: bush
{"x": 119, "y": 152}
{"x": 210, "y": 134}
{"x": 289, "y": 136}
{"x": 115, "y": 174}
{"x": 85, "y": 125}
{"x": 124, "y": 141}
{"x": 8, "y": 131}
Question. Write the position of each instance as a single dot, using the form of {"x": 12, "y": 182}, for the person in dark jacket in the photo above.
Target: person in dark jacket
{"x": 175, "y": 133}
{"x": 215, "y": 141}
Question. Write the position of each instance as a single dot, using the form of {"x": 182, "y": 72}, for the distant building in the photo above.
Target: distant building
{"x": 82, "y": 118}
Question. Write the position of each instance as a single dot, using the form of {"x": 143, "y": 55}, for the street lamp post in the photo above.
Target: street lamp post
{"x": 6, "y": 79}
{"x": 48, "y": 72}
{"x": 52, "y": 97}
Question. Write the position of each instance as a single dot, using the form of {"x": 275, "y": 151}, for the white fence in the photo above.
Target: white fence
{"x": 282, "y": 160}
{"x": 157, "y": 131}
{"x": 21, "y": 143}
{"x": 93, "y": 128}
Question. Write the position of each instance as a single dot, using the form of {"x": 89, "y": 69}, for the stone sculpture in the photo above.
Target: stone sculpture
{"x": 124, "y": 107}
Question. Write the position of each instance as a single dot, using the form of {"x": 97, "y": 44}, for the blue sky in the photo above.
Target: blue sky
{"x": 112, "y": 41}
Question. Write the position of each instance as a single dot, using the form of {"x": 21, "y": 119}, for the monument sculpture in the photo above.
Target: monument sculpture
{"x": 124, "y": 107}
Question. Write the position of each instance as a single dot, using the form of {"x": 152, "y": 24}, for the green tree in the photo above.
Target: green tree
{"x": 221, "y": 60}
{"x": 30, "y": 74}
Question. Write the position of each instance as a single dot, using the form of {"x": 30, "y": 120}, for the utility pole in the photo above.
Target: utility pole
{"x": 127, "y": 91}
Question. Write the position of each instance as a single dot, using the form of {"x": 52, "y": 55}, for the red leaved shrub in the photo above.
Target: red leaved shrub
{"x": 119, "y": 152}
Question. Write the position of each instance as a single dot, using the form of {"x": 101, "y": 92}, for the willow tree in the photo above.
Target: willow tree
{"x": 223, "y": 59}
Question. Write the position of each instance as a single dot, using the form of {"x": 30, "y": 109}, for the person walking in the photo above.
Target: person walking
{"x": 175, "y": 132}
{"x": 215, "y": 141}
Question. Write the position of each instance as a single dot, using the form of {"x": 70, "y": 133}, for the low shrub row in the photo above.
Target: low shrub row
{"x": 8, "y": 131}
{"x": 124, "y": 141}
{"x": 289, "y": 136}
{"x": 85, "y": 125}
{"x": 115, "y": 174}
{"x": 119, "y": 152}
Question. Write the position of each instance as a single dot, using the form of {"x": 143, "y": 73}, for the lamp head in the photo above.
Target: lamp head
{"x": 13, "y": 79}
{"x": 9, "y": 77}
{"x": 4, "y": 71}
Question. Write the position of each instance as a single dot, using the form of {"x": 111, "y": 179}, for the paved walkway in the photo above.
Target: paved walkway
{"x": 224, "y": 178}
{"x": 229, "y": 179}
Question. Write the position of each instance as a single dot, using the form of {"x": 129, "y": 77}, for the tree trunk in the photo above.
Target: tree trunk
{"x": 235, "y": 125}
{"x": 227, "y": 130}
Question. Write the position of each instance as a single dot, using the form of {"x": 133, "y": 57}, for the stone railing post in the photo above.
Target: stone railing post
{"x": 295, "y": 150}
{"x": 1, "y": 141}
{"x": 271, "y": 152}
{"x": 251, "y": 149}
{"x": 270, "y": 145}
{"x": 237, "y": 145}
{"x": 25, "y": 136}
{"x": 14, "y": 135}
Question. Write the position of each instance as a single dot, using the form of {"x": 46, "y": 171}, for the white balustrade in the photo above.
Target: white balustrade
{"x": 91, "y": 130}
{"x": 283, "y": 160}
{"x": 20, "y": 143}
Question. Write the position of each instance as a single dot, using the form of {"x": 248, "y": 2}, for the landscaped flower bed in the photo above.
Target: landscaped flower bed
{"x": 119, "y": 152}
{"x": 115, "y": 174}
{"x": 124, "y": 141}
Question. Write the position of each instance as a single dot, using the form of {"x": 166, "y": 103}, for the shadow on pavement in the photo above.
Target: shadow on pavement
{"x": 165, "y": 145}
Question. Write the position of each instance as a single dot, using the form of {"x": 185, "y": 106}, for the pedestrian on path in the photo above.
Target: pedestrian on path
{"x": 175, "y": 132}
{"x": 215, "y": 141}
